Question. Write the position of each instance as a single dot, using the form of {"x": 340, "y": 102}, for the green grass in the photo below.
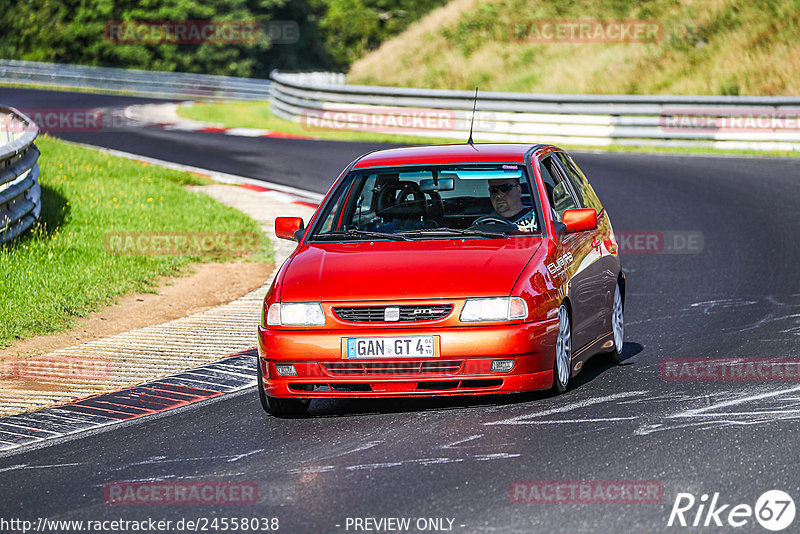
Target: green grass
{"x": 61, "y": 270}
{"x": 259, "y": 115}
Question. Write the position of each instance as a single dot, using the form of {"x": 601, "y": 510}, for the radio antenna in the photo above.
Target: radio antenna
{"x": 472, "y": 120}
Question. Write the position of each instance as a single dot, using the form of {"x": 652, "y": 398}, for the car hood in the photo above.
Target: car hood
{"x": 390, "y": 270}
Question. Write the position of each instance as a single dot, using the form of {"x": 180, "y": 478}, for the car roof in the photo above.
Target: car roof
{"x": 443, "y": 154}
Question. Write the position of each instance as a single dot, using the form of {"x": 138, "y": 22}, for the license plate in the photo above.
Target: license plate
{"x": 390, "y": 347}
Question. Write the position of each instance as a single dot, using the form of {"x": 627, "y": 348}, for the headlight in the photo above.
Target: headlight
{"x": 295, "y": 314}
{"x": 494, "y": 309}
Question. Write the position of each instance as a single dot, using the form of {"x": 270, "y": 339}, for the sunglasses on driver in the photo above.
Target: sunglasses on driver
{"x": 502, "y": 188}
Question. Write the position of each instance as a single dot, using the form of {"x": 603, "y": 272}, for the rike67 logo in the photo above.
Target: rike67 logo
{"x": 774, "y": 510}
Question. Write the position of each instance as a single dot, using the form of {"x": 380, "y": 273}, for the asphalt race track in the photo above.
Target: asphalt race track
{"x": 736, "y": 295}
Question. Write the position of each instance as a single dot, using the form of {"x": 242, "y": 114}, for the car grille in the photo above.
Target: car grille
{"x": 376, "y": 314}
{"x": 383, "y": 368}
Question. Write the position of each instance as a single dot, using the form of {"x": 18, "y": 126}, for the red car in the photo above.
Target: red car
{"x": 443, "y": 270}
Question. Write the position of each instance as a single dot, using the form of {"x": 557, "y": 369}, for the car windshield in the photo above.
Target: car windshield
{"x": 443, "y": 202}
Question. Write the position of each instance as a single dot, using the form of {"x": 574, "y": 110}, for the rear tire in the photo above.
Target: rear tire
{"x": 617, "y": 326}
{"x": 276, "y": 406}
{"x": 562, "y": 366}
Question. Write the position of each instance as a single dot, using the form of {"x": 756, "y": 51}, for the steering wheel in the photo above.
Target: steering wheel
{"x": 492, "y": 220}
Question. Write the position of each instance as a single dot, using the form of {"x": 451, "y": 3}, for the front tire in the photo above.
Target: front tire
{"x": 617, "y": 326}
{"x": 562, "y": 367}
{"x": 276, "y": 406}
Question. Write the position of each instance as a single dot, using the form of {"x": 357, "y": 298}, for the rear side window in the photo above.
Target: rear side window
{"x": 557, "y": 189}
{"x": 575, "y": 180}
{"x": 587, "y": 195}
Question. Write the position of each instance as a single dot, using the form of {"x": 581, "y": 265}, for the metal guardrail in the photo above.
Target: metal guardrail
{"x": 726, "y": 122}
{"x": 140, "y": 82}
{"x": 20, "y": 194}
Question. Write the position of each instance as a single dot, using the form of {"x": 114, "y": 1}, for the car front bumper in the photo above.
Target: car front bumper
{"x": 462, "y": 365}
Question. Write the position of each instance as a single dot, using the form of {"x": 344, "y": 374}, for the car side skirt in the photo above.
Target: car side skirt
{"x": 598, "y": 345}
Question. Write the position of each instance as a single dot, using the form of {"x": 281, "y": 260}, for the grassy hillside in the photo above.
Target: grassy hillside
{"x": 717, "y": 47}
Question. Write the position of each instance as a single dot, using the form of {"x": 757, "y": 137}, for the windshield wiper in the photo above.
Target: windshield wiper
{"x": 362, "y": 233}
{"x": 453, "y": 231}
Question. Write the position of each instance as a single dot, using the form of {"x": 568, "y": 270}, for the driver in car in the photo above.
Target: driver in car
{"x": 506, "y": 197}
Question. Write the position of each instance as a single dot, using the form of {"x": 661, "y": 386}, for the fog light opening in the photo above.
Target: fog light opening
{"x": 502, "y": 366}
{"x": 286, "y": 370}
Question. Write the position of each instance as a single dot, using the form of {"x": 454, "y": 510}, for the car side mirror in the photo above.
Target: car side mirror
{"x": 580, "y": 220}
{"x": 289, "y": 228}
